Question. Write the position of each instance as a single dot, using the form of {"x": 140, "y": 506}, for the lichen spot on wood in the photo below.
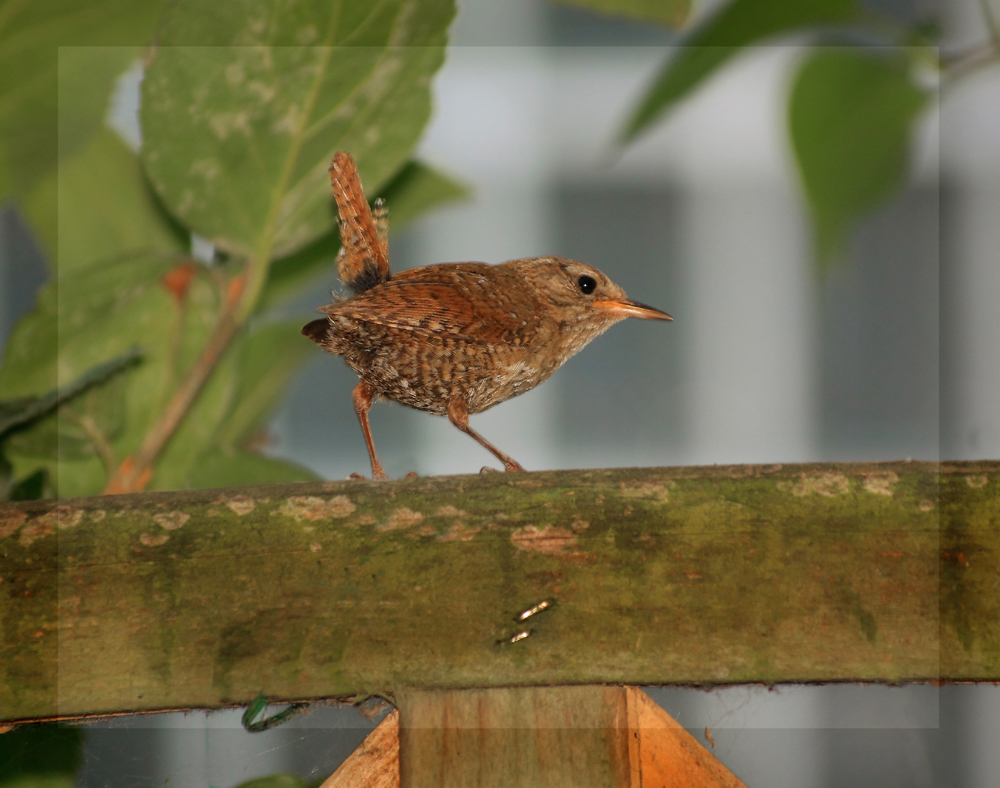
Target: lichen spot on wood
{"x": 450, "y": 511}
{"x": 881, "y": 483}
{"x": 60, "y": 517}
{"x": 312, "y": 507}
{"x": 459, "y": 532}
{"x": 10, "y": 522}
{"x": 828, "y": 484}
{"x": 656, "y": 492}
{"x": 171, "y": 520}
{"x": 154, "y": 541}
{"x": 66, "y": 516}
{"x": 400, "y": 518}
{"x": 36, "y": 529}
{"x": 976, "y": 482}
{"x": 241, "y": 505}
{"x": 550, "y": 540}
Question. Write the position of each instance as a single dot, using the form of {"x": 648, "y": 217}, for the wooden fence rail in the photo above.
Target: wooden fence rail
{"x": 714, "y": 575}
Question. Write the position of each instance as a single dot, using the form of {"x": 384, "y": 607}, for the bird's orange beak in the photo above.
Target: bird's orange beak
{"x": 626, "y": 308}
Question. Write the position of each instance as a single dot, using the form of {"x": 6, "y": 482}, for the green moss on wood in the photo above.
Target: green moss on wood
{"x": 670, "y": 575}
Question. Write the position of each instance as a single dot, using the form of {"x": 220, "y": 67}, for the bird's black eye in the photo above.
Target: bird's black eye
{"x": 587, "y": 284}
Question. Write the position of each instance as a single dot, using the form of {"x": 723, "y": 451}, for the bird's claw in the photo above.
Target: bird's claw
{"x": 378, "y": 476}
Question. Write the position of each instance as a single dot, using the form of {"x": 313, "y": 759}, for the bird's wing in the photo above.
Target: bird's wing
{"x": 473, "y": 301}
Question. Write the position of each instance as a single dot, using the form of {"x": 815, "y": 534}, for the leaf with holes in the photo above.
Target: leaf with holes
{"x": 244, "y": 104}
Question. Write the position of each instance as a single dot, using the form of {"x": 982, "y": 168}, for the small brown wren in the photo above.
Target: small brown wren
{"x": 454, "y": 338}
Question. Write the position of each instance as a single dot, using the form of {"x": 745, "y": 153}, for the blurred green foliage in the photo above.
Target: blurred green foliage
{"x": 863, "y": 82}
{"x": 666, "y": 12}
{"x": 850, "y": 115}
{"x": 281, "y": 781}
{"x": 242, "y": 108}
{"x": 40, "y": 756}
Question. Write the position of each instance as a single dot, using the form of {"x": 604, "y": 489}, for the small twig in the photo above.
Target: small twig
{"x": 960, "y": 64}
{"x": 95, "y": 436}
{"x": 135, "y": 472}
{"x": 173, "y": 352}
{"x": 991, "y": 22}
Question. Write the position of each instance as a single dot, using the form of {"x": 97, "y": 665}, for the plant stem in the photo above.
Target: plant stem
{"x": 244, "y": 292}
{"x": 991, "y": 22}
{"x": 97, "y": 439}
{"x": 135, "y": 472}
{"x": 962, "y": 63}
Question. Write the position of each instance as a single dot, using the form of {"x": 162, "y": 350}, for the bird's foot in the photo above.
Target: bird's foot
{"x": 378, "y": 476}
{"x": 508, "y": 465}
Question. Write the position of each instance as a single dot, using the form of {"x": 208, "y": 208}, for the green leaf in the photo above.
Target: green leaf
{"x": 210, "y": 447}
{"x": 277, "y": 781}
{"x": 33, "y": 487}
{"x": 193, "y": 436}
{"x": 40, "y": 756}
{"x": 850, "y": 116}
{"x": 97, "y": 309}
{"x": 737, "y": 25}
{"x": 245, "y": 103}
{"x": 267, "y": 359}
{"x": 415, "y": 189}
{"x": 672, "y": 13}
{"x": 19, "y": 412}
{"x": 83, "y": 319}
{"x": 33, "y": 87}
{"x": 40, "y": 781}
{"x": 80, "y": 321}
{"x": 107, "y": 209}
{"x": 86, "y": 76}
{"x": 219, "y": 468}
{"x": 68, "y": 435}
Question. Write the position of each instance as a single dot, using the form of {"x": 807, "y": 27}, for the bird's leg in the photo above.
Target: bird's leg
{"x": 458, "y": 414}
{"x": 363, "y": 396}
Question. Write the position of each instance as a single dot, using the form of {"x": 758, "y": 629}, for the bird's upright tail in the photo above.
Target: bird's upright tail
{"x": 364, "y": 256}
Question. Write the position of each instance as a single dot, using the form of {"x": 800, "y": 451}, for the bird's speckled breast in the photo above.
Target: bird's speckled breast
{"x": 470, "y": 330}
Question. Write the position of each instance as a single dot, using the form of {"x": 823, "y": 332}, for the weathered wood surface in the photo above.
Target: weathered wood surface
{"x": 715, "y": 575}
{"x": 375, "y": 763}
{"x": 547, "y": 737}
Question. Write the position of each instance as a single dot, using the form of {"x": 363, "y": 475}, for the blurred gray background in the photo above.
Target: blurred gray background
{"x": 891, "y": 356}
